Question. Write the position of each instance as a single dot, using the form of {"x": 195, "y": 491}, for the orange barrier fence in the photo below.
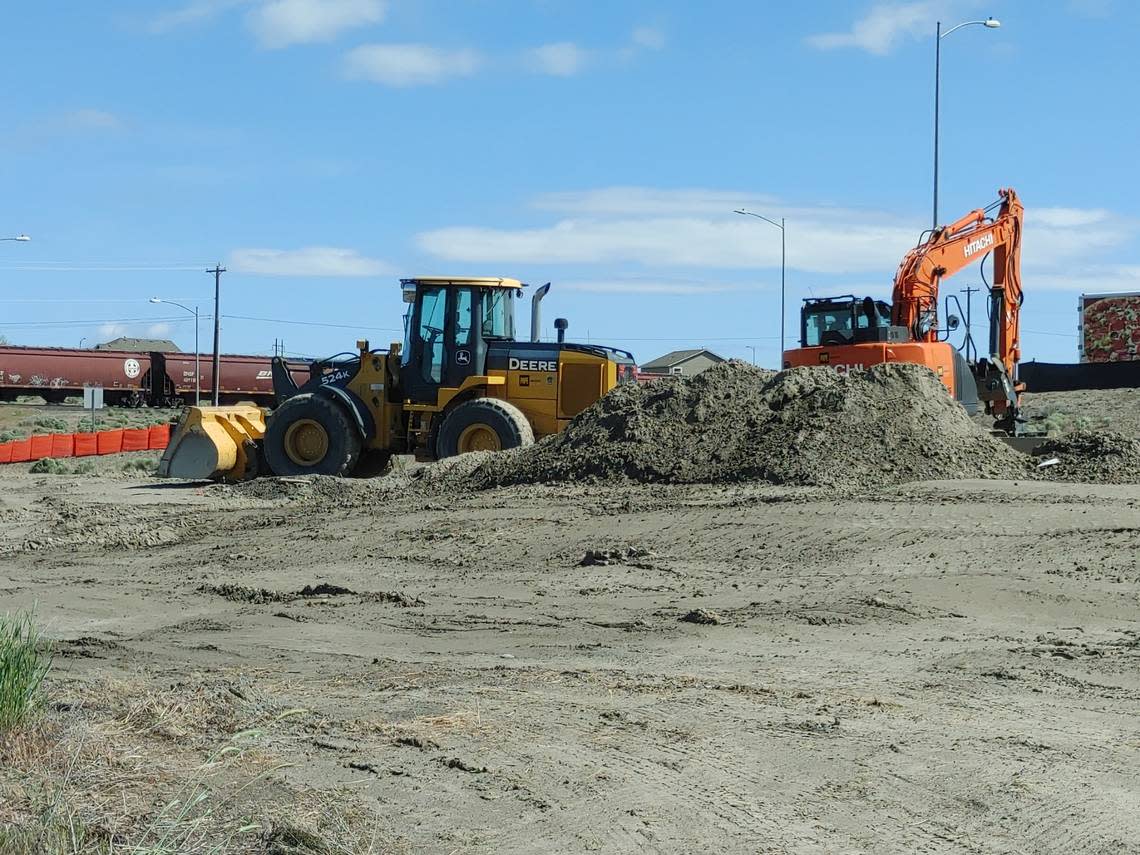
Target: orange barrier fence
{"x": 154, "y": 438}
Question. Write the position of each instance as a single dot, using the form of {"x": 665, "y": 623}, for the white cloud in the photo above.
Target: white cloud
{"x": 110, "y": 331}
{"x": 280, "y": 23}
{"x": 561, "y": 59}
{"x": 610, "y": 201}
{"x": 89, "y": 119}
{"x": 652, "y": 286}
{"x": 693, "y": 228}
{"x": 409, "y": 64}
{"x": 1066, "y": 217}
{"x": 158, "y": 330}
{"x": 649, "y": 38}
{"x": 724, "y": 242}
{"x": 885, "y": 25}
{"x": 309, "y": 261}
{"x": 1090, "y": 8}
{"x": 1085, "y": 279}
{"x": 195, "y": 12}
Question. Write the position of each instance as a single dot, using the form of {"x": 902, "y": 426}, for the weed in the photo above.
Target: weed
{"x": 49, "y": 424}
{"x": 50, "y": 466}
{"x": 9, "y": 435}
{"x": 140, "y": 464}
{"x": 84, "y": 467}
{"x": 23, "y": 666}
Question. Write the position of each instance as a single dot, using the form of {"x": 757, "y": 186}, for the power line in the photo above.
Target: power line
{"x": 53, "y": 269}
{"x": 89, "y": 322}
{"x": 311, "y": 323}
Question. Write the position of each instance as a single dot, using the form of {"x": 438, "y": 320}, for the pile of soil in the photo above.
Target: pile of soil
{"x": 1092, "y": 457}
{"x": 734, "y": 422}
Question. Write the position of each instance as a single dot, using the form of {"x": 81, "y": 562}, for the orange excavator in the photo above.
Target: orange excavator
{"x": 851, "y": 334}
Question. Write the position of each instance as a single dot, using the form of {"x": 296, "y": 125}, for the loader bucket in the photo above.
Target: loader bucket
{"x": 218, "y": 443}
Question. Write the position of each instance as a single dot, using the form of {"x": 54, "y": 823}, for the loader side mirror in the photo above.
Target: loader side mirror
{"x": 952, "y": 322}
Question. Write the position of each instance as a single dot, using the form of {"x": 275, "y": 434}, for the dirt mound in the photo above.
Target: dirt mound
{"x": 1092, "y": 457}
{"x": 733, "y": 422}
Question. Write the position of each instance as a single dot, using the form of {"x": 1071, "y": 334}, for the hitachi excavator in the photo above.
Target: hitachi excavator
{"x": 459, "y": 382}
{"x": 851, "y": 334}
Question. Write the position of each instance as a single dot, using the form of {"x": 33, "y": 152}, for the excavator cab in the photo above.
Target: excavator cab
{"x": 846, "y": 320}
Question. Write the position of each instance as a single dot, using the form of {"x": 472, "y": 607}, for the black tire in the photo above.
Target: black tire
{"x": 483, "y": 417}
{"x": 308, "y": 412}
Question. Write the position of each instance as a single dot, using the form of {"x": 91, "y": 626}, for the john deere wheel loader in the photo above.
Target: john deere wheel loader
{"x": 460, "y": 382}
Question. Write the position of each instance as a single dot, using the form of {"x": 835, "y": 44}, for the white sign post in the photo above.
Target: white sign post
{"x": 93, "y": 400}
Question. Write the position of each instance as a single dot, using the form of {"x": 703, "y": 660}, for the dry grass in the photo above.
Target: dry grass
{"x": 117, "y": 769}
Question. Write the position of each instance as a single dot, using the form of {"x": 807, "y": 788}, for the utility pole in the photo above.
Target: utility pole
{"x": 970, "y": 349}
{"x": 753, "y": 349}
{"x": 217, "y": 270}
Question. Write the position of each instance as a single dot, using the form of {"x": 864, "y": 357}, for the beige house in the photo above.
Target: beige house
{"x": 680, "y": 363}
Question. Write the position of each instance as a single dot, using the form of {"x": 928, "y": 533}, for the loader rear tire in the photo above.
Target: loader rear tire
{"x": 311, "y": 435}
{"x": 483, "y": 424}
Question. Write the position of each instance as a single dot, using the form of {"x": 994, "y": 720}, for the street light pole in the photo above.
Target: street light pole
{"x": 753, "y": 349}
{"x": 783, "y": 268}
{"x": 20, "y": 238}
{"x": 197, "y": 365}
{"x": 990, "y": 23}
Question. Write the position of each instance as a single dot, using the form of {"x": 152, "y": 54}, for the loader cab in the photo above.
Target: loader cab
{"x": 447, "y": 330}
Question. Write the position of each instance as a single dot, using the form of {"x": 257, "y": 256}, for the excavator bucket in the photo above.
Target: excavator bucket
{"x": 218, "y": 443}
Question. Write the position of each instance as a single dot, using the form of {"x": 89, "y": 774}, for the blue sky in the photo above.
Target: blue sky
{"x": 322, "y": 149}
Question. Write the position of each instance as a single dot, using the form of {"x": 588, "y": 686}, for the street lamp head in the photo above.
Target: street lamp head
{"x": 155, "y": 300}
{"x": 992, "y": 23}
{"x": 740, "y": 211}
{"x": 23, "y": 238}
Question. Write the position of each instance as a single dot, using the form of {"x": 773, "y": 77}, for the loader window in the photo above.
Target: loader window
{"x": 463, "y": 319}
{"x": 498, "y": 314}
{"x": 433, "y": 302}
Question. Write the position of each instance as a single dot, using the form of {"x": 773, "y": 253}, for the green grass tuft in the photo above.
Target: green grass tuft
{"x": 24, "y": 662}
{"x": 50, "y": 466}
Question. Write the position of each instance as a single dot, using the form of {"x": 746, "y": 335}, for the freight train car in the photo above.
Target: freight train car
{"x": 130, "y": 379}
{"x": 244, "y": 378}
{"x": 56, "y": 373}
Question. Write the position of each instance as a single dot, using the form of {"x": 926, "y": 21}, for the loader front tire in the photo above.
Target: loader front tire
{"x": 483, "y": 424}
{"x": 311, "y": 435}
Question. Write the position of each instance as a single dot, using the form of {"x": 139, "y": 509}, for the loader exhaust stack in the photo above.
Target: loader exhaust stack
{"x": 536, "y": 312}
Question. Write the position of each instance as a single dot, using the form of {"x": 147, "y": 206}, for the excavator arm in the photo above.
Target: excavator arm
{"x": 949, "y": 249}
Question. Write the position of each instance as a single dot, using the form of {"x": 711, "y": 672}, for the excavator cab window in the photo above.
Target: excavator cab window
{"x": 827, "y": 325}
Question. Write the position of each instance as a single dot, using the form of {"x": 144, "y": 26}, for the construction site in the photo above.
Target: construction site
{"x": 850, "y": 568}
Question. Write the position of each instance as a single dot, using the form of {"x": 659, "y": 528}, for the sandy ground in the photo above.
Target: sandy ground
{"x": 938, "y": 667}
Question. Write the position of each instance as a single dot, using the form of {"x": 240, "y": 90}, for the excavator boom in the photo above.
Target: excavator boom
{"x": 948, "y": 250}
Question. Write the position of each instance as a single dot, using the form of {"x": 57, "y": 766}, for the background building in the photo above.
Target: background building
{"x": 140, "y": 345}
{"x": 681, "y": 363}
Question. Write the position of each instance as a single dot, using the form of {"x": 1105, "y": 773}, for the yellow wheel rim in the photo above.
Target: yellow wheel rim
{"x": 306, "y": 442}
{"x": 479, "y": 437}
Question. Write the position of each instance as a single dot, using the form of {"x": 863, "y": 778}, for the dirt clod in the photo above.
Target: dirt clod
{"x": 702, "y": 616}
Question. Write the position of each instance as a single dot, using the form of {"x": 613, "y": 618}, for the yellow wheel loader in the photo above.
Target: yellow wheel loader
{"x": 459, "y": 382}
